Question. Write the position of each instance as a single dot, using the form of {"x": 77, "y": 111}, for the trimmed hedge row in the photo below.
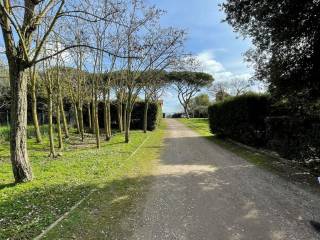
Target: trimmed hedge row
{"x": 5, "y": 132}
{"x": 251, "y": 119}
{"x": 154, "y": 116}
{"x": 294, "y": 138}
{"x": 241, "y": 118}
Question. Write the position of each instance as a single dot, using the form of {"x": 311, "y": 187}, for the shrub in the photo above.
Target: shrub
{"x": 241, "y": 118}
{"x": 5, "y": 132}
{"x": 177, "y": 115}
{"x": 295, "y": 138}
{"x": 154, "y": 116}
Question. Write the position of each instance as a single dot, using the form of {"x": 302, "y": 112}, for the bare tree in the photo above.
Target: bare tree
{"x": 219, "y": 90}
{"x": 147, "y": 46}
{"x": 18, "y": 23}
{"x": 239, "y": 86}
{"x": 48, "y": 77}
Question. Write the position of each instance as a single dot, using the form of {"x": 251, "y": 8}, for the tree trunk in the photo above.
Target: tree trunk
{"x": 186, "y": 111}
{"x": 107, "y": 114}
{"x": 89, "y": 116}
{"x": 109, "y": 119}
{"x": 76, "y": 116}
{"x": 145, "y": 116}
{"x": 119, "y": 111}
{"x": 64, "y": 119}
{"x": 34, "y": 106}
{"x": 93, "y": 122}
{"x": 95, "y": 114}
{"x": 18, "y": 127}
{"x": 96, "y": 124}
{"x": 52, "y": 152}
{"x": 106, "y": 119}
{"x": 127, "y": 129}
{"x": 60, "y": 140}
{"x": 80, "y": 117}
{"x": 124, "y": 118}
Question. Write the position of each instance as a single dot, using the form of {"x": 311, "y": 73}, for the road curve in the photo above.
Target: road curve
{"x": 202, "y": 191}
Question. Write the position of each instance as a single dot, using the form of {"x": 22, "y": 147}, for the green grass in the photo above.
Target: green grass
{"x": 5, "y": 132}
{"x": 200, "y": 125}
{"x": 27, "y": 209}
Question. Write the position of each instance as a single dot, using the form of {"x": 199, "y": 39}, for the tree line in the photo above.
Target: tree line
{"x": 86, "y": 52}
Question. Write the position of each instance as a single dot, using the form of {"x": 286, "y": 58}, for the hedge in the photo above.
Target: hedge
{"x": 255, "y": 121}
{"x": 241, "y": 118}
{"x": 294, "y": 138}
{"x": 154, "y": 116}
{"x": 5, "y": 132}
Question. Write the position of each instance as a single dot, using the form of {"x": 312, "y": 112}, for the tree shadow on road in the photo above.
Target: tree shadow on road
{"x": 315, "y": 225}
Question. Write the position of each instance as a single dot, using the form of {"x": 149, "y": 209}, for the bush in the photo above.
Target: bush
{"x": 177, "y": 115}
{"x": 241, "y": 118}
{"x": 295, "y": 138}
{"x": 5, "y": 132}
{"x": 154, "y": 116}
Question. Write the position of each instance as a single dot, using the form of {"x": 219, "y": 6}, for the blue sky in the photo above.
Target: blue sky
{"x": 214, "y": 43}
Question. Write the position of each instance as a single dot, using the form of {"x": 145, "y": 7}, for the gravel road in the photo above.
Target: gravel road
{"x": 202, "y": 191}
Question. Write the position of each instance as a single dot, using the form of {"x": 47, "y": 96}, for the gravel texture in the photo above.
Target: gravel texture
{"x": 202, "y": 191}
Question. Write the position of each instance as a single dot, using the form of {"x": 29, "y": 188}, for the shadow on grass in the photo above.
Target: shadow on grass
{"x": 25, "y": 215}
{"x": 115, "y": 210}
{"x": 7, "y": 185}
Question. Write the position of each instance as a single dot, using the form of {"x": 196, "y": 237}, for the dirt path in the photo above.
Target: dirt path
{"x": 202, "y": 191}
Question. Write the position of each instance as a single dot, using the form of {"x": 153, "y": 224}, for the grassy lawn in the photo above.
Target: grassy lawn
{"x": 118, "y": 177}
{"x": 286, "y": 169}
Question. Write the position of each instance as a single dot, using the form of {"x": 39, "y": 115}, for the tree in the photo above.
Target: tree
{"x": 219, "y": 90}
{"x": 18, "y": 24}
{"x": 286, "y": 53}
{"x": 199, "y": 105}
{"x": 148, "y": 47}
{"x": 18, "y": 36}
{"x": 4, "y": 87}
{"x": 118, "y": 87}
{"x": 154, "y": 83}
{"x": 48, "y": 77}
{"x": 188, "y": 84}
{"x": 239, "y": 86}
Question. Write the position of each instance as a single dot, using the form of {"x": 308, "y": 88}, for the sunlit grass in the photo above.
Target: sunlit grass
{"x": 27, "y": 209}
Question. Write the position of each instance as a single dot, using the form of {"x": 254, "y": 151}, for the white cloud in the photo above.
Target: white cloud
{"x": 210, "y": 65}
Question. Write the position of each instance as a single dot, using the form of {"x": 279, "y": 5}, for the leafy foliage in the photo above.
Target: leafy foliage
{"x": 241, "y": 118}
{"x": 188, "y": 84}
{"x": 295, "y": 138}
{"x": 154, "y": 116}
{"x": 286, "y": 36}
{"x": 199, "y": 106}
